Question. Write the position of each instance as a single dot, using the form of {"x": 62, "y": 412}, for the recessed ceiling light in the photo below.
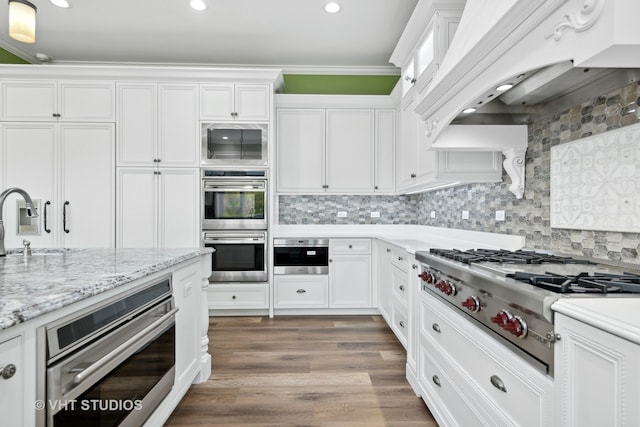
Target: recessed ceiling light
{"x": 504, "y": 87}
{"x": 332, "y": 7}
{"x": 198, "y": 5}
{"x": 60, "y": 3}
{"x": 468, "y": 110}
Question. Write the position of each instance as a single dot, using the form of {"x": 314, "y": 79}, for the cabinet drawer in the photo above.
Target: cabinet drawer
{"x": 443, "y": 395}
{"x": 399, "y": 324}
{"x": 400, "y": 259}
{"x": 301, "y": 291}
{"x": 238, "y": 296}
{"x": 400, "y": 286}
{"x": 478, "y": 358}
{"x": 349, "y": 246}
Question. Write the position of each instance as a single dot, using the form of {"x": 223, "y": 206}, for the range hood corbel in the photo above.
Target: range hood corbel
{"x": 511, "y": 140}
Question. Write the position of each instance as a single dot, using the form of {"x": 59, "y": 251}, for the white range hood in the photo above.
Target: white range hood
{"x": 544, "y": 48}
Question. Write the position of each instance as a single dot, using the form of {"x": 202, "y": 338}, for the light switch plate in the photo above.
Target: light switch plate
{"x": 433, "y": 214}
{"x": 375, "y": 214}
{"x": 500, "y": 216}
{"x": 465, "y": 214}
{"x": 342, "y": 214}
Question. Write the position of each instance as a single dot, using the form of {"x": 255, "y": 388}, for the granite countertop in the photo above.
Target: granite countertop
{"x": 54, "y": 278}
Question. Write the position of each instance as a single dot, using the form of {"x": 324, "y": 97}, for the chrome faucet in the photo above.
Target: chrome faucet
{"x": 31, "y": 211}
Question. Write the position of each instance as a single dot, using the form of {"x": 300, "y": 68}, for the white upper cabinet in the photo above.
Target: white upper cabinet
{"x": 422, "y": 47}
{"x": 300, "y": 150}
{"x": 69, "y": 101}
{"x": 158, "y": 125}
{"x": 349, "y": 150}
{"x": 243, "y": 102}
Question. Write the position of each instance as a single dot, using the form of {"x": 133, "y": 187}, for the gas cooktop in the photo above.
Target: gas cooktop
{"x": 556, "y": 273}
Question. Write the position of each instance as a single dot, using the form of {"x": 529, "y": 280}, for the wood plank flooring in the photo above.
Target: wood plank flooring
{"x": 313, "y": 371}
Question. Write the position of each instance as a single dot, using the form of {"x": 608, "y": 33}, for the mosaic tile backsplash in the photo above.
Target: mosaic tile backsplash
{"x": 529, "y": 216}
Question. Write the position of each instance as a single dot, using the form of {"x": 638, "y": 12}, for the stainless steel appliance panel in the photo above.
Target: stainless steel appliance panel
{"x": 300, "y": 256}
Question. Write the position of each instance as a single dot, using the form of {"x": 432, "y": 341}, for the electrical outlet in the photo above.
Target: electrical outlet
{"x": 342, "y": 214}
{"x": 375, "y": 214}
{"x": 433, "y": 214}
{"x": 500, "y": 216}
{"x": 465, "y": 214}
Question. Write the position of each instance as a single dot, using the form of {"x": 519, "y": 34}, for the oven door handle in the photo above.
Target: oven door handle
{"x": 235, "y": 239}
{"x": 111, "y": 357}
{"x": 234, "y": 186}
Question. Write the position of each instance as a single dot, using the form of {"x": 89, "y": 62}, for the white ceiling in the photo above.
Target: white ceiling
{"x": 292, "y": 34}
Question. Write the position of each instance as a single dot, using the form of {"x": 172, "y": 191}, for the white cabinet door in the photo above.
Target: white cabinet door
{"x": 385, "y": 137}
{"x": 252, "y": 102}
{"x": 137, "y": 124}
{"x": 247, "y": 102}
{"x": 350, "y": 281}
{"x": 29, "y": 101}
{"x": 137, "y": 204}
{"x": 86, "y": 101}
{"x": 300, "y": 151}
{"x": 178, "y": 120}
{"x": 30, "y": 163}
{"x": 87, "y": 158}
{"x": 350, "y": 150}
{"x": 12, "y": 389}
{"x": 71, "y": 101}
{"x": 597, "y": 376}
{"x": 406, "y": 168}
{"x": 179, "y": 208}
{"x": 216, "y": 102}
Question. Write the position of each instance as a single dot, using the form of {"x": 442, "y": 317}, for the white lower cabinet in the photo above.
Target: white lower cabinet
{"x": 597, "y": 376}
{"x": 498, "y": 387}
{"x": 158, "y": 208}
{"x": 298, "y": 291}
{"x": 12, "y": 387}
{"x": 222, "y": 296}
{"x": 350, "y": 282}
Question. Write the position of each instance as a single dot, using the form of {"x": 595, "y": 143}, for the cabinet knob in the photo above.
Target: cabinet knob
{"x": 401, "y": 323}
{"x": 388, "y": 250}
{"x": 330, "y": 260}
{"x": 233, "y": 297}
{"x": 401, "y": 287}
{"x": 497, "y": 382}
{"x": 413, "y": 175}
{"x": 436, "y": 328}
{"x": 8, "y": 371}
{"x": 414, "y": 266}
{"x": 350, "y": 246}
{"x": 436, "y": 380}
{"x": 400, "y": 258}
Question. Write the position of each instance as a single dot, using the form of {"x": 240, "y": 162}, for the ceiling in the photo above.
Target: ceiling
{"x": 289, "y": 34}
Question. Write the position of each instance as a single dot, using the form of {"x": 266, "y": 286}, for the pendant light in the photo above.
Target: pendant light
{"x": 22, "y": 21}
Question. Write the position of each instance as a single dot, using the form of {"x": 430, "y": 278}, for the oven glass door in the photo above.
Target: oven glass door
{"x": 234, "y": 204}
{"x": 239, "y": 258}
{"x": 127, "y": 393}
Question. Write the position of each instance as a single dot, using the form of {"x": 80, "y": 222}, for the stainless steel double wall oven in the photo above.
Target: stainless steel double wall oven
{"x": 234, "y": 223}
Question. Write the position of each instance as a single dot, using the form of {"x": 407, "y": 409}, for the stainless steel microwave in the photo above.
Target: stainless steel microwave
{"x": 234, "y": 144}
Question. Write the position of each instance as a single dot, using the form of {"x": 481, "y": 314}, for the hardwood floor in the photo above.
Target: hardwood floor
{"x": 303, "y": 371}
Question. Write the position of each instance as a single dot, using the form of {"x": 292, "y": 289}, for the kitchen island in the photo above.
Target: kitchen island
{"x": 54, "y": 284}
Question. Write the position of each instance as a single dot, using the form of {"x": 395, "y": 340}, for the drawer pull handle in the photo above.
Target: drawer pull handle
{"x": 498, "y": 383}
{"x": 401, "y": 323}
{"x": 8, "y": 371}
{"x": 401, "y": 288}
{"x": 436, "y": 327}
{"x": 436, "y": 380}
{"x": 350, "y": 246}
{"x": 400, "y": 258}
{"x": 233, "y": 297}
{"x": 301, "y": 291}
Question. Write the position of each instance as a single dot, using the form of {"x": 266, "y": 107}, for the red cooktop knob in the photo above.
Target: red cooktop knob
{"x": 427, "y": 277}
{"x": 516, "y": 326}
{"x": 472, "y": 304}
{"x": 440, "y": 285}
{"x": 449, "y": 289}
{"x": 502, "y": 318}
